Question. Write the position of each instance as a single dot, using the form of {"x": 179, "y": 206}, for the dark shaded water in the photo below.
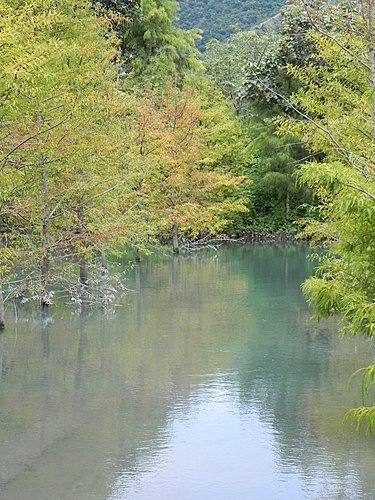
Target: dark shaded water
{"x": 211, "y": 382}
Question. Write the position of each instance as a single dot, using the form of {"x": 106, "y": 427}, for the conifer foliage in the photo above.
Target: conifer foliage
{"x": 75, "y": 180}
{"x": 336, "y": 103}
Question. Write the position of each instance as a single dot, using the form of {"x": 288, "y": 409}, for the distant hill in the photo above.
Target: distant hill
{"x": 219, "y": 18}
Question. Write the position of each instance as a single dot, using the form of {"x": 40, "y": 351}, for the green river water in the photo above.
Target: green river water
{"x": 210, "y": 382}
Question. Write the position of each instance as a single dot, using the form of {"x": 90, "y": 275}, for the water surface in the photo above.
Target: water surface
{"x": 210, "y": 382}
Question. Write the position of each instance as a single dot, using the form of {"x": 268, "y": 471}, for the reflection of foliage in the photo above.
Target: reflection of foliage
{"x": 365, "y": 416}
{"x": 125, "y": 377}
{"x": 121, "y": 376}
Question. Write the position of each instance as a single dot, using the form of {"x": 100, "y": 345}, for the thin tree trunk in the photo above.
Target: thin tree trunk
{"x": 83, "y": 264}
{"x": 287, "y": 204}
{"x": 103, "y": 264}
{"x": 137, "y": 255}
{"x": 44, "y": 264}
{"x": 371, "y": 43}
{"x": 176, "y": 249}
{"x": 84, "y": 271}
{"x": 2, "y": 319}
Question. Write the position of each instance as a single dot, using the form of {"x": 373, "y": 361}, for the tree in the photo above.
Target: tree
{"x": 126, "y": 8}
{"x": 62, "y": 135}
{"x": 154, "y": 48}
{"x": 187, "y": 197}
{"x": 228, "y": 63}
{"x": 336, "y": 105}
{"x": 275, "y": 158}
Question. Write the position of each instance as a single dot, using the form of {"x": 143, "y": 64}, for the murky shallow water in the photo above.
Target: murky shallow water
{"x": 211, "y": 382}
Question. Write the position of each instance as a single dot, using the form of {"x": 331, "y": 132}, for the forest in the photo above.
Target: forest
{"x": 117, "y": 132}
{"x": 222, "y": 18}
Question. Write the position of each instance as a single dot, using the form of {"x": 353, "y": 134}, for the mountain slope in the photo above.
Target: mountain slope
{"x": 219, "y": 18}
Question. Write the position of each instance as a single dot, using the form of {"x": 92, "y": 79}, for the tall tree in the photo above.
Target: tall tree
{"x": 251, "y": 69}
{"x": 188, "y": 197}
{"x": 336, "y": 104}
{"x": 62, "y": 132}
{"x": 154, "y": 48}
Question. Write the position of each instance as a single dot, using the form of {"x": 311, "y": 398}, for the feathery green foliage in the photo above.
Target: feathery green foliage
{"x": 154, "y": 49}
{"x": 74, "y": 179}
{"x": 336, "y": 103}
{"x": 365, "y": 415}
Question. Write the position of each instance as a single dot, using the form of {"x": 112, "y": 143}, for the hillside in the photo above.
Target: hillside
{"x": 219, "y": 18}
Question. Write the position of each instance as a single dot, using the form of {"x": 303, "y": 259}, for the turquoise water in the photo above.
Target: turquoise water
{"x": 210, "y": 381}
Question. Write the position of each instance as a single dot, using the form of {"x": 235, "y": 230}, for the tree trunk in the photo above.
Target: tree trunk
{"x": 84, "y": 272}
{"x": 176, "y": 249}
{"x": 137, "y": 255}
{"x": 2, "y": 319}
{"x": 372, "y": 56}
{"x": 103, "y": 264}
{"x": 44, "y": 264}
{"x": 83, "y": 264}
{"x": 287, "y": 204}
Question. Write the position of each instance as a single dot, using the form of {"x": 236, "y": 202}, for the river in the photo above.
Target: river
{"x": 210, "y": 381}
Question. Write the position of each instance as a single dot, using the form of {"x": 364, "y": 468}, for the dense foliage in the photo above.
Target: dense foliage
{"x": 251, "y": 71}
{"x": 219, "y": 19}
{"x": 91, "y": 160}
{"x": 153, "y": 47}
